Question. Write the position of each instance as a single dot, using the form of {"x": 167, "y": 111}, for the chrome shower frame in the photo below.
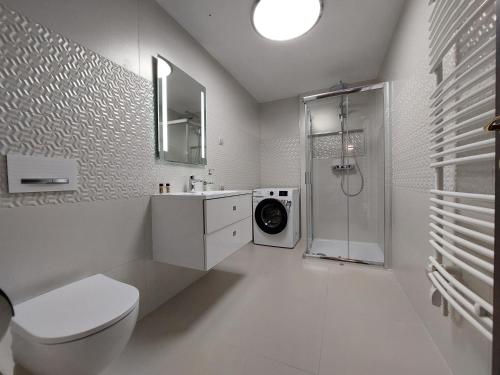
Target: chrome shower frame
{"x": 306, "y": 191}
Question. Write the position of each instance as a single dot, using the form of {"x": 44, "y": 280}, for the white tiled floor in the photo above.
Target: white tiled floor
{"x": 267, "y": 311}
{"x": 364, "y": 251}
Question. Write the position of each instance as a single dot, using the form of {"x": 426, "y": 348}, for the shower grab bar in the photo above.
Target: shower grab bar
{"x": 457, "y": 194}
{"x": 479, "y": 302}
{"x": 479, "y": 249}
{"x": 459, "y": 308}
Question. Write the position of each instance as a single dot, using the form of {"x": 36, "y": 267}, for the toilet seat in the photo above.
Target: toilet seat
{"x": 74, "y": 311}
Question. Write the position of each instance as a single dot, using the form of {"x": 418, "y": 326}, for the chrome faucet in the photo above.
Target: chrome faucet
{"x": 192, "y": 181}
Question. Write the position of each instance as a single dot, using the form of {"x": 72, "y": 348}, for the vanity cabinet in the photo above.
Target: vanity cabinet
{"x": 200, "y": 230}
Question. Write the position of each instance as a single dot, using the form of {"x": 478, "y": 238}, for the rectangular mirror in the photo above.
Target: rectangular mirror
{"x": 180, "y": 115}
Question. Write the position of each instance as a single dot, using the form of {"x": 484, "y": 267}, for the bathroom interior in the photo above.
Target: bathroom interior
{"x": 274, "y": 187}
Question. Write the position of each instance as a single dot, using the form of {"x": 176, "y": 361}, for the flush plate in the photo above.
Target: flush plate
{"x": 29, "y": 174}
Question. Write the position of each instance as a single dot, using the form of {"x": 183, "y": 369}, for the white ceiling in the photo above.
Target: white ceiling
{"x": 348, "y": 43}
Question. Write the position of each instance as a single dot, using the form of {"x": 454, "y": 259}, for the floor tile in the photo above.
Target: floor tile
{"x": 268, "y": 311}
{"x": 372, "y": 328}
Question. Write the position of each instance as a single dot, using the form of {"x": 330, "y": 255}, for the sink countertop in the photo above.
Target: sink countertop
{"x": 205, "y": 194}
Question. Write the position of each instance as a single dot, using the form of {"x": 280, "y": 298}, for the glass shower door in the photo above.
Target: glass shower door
{"x": 327, "y": 205}
{"x": 366, "y": 180}
{"x": 345, "y": 154}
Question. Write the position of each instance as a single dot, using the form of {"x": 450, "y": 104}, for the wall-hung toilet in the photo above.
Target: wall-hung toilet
{"x": 74, "y": 330}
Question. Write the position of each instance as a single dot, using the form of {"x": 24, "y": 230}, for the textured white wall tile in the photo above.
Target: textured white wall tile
{"x": 410, "y": 131}
{"x": 63, "y": 100}
{"x": 280, "y": 162}
{"x": 280, "y": 144}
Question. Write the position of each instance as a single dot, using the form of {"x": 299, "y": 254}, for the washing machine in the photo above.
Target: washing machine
{"x": 276, "y": 217}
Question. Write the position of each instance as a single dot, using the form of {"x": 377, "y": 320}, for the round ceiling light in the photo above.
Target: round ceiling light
{"x": 285, "y": 19}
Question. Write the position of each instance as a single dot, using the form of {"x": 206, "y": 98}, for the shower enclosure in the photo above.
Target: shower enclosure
{"x": 346, "y": 197}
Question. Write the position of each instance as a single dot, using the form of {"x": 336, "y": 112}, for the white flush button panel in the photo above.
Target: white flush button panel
{"x": 29, "y": 174}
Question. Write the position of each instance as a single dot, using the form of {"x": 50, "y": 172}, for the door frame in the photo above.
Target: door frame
{"x": 496, "y": 288}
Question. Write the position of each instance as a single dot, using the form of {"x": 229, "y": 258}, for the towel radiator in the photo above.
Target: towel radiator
{"x": 462, "y": 56}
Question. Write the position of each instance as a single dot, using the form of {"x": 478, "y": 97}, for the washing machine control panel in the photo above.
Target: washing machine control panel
{"x": 281, "y": 193}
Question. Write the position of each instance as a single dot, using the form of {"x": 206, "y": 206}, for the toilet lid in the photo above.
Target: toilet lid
{"x": 75, "y": 311}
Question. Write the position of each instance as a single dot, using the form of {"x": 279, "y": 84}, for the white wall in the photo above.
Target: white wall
{"x": 48, "y": 245}
{"x": 406, "y": 66}
{"x": 280, "y": 148}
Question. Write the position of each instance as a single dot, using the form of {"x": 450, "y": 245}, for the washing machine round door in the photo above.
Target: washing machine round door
{"x": 271, "y": 216}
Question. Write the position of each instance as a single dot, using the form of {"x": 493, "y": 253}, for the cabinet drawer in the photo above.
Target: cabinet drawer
{"x": 219, "y": 245}
{"x": 222, "y": 212}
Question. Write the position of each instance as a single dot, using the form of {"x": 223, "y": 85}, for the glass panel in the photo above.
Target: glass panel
{"x": 365, "y": 182}
{"x": 329, "y": 207}
{"x": 345, "y": 158}
{"x": 308, "y": 178}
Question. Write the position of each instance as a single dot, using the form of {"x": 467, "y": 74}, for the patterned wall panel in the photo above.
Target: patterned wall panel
{"x": 60, "y": 99}
{"x": 329, "y": 146}
{"x": 410, "y": 134}
{"x": 280, "y": 162}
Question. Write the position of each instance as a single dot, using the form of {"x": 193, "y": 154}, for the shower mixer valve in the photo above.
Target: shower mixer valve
{"x": 342, "y": 167}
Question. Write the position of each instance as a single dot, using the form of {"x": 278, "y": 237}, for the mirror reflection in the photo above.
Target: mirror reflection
{"x": 180, "y": 114}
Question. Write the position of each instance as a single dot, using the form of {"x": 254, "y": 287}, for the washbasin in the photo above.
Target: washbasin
{"x": 210, "y": 194}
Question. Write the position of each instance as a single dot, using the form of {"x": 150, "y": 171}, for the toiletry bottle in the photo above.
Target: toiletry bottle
{"x": 161, "y": 189}
{"x": 167, "y": 188}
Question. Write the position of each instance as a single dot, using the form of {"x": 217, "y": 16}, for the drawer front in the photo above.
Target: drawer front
{"x": 222, "y": 212}
{"x": 221, "y": 244}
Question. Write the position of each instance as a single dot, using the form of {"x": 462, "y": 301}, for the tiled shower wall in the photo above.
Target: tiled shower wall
{"x": 80, "y": 87}
{"x": 407, "y": 68}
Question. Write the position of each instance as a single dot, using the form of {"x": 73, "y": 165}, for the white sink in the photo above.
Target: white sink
{"x": 210, "y": 194}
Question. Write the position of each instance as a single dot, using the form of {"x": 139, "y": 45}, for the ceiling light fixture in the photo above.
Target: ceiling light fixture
{"x": 285, "y": 19}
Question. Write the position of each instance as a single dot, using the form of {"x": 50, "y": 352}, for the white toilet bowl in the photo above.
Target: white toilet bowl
{"x": 77, "y": 329}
